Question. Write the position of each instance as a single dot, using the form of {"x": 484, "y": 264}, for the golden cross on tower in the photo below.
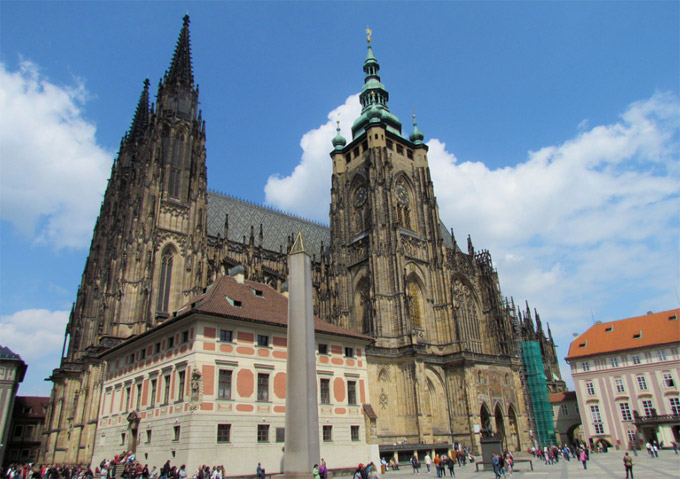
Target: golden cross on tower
{"x": 369, "y": 32}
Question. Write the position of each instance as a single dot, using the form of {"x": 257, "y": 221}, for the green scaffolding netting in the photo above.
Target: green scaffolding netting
{"x": 538, "y": 392}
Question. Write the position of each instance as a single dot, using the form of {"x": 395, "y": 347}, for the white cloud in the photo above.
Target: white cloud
{"x": 53, "y": 173}
{"x": 37, "y": 335}
{"x": 306, "y": 191}
{"x": 589, "y": 223}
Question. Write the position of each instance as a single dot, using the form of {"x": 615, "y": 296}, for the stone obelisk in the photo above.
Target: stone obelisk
{"x": 302, "y": 409}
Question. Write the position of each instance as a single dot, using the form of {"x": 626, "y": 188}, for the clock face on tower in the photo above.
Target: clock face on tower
{"x": 360, "y": 196}
{"x": 402, "y": 193}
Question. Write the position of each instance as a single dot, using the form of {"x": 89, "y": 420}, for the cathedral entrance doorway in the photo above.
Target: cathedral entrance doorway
{"x": 500, "y": 426}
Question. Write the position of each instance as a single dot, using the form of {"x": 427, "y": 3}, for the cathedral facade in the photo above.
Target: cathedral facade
{"x": 443, "y": 365}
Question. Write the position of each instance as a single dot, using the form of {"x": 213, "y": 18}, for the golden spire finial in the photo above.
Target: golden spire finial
{"x": 369, "y": 32}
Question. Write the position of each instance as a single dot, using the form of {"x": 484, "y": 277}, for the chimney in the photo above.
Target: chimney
{"x": 239, "y": 273}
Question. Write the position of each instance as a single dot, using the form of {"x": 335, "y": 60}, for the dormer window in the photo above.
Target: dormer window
{"x": 638, "y": 335}
{"x": 609, "y": 329}
{"x": 234, "y": 302}
{"x": 257, "y": 292}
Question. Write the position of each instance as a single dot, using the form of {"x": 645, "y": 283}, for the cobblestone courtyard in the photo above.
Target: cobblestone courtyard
{"x": 600, "y": 466}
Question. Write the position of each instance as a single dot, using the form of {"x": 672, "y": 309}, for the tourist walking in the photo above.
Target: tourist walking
{"x": 628, "y": 465}
{"x": 415, "y": 463}
{"x": 428, "y": 461}
{"x": 260, "y": 471}
{"x": 584, "y": 459}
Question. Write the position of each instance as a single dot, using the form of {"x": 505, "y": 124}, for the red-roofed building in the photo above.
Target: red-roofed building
{"x": 567, "y": 417}
{"x": 25, "y": 432}
{"x": 626, "y": 375}
{"x": 208, "y": 386}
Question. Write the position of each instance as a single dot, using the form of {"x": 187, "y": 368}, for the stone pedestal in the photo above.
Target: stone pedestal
{"x": 490, "y": 446}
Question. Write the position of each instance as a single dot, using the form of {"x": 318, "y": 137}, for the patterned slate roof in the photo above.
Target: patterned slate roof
{"x": 276, "y": 225}
{"x": 641, "y": 331}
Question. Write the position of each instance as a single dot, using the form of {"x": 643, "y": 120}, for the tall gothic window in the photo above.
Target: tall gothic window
{"x": 175, "y": 179}
{"x": 362, "y": 308}
{"x": 165, "y": 280}
{"x": 415, "y": 304}
{"x": 403, "y": 206}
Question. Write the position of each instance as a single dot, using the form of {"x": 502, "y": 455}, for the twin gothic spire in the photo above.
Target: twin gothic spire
{"x": 181, "y": 71}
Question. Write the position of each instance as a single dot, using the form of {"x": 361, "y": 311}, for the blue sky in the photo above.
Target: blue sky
{"x": 553, "y": 127}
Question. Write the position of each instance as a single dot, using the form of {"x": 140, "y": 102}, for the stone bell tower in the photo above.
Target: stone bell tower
{"x": 147, "y": 256}
{"x": 443, "y": 352}
{"x": 387, "y": 252}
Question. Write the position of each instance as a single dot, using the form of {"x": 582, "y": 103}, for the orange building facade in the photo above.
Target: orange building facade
{"x": 208, "y": 386}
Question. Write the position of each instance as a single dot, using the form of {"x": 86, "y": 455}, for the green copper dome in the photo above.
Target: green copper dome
{"x": 374, "y": 98}
{"x": 339, "y": 141}
{"x": 416, "y": 135}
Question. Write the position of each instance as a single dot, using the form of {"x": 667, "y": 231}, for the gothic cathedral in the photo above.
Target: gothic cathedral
{"x": 444, "y": 363}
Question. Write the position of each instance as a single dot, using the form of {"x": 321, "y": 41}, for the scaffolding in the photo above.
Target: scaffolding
{"x": 538, "y": 392}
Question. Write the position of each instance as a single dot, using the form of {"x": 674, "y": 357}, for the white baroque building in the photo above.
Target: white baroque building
{"x": 208, "y": 386}
{"x": 626, "y": 375}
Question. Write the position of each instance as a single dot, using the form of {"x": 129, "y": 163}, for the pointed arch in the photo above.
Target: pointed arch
{"x": 415, "y": 301}
{"x": 176, "y": 165}
{"x": 403, "y": 190}
{"x": 358, "y": 200}
{"x": 384, "y": 376}
{"x": 165, "y": 280}
{"x": 500, "y": 423}
{"x": 513, "y": 429}
{"x": 485, "y": 418}
{"x": 466, "y": 310}
{"x": 436, "y": 403}
{"x": 362, "y": 320}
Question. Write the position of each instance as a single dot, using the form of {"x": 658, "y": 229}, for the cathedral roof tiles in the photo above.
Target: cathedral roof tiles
{"x": 641, "y": 331}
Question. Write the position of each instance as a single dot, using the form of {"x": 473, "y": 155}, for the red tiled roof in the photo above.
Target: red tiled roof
{"x": 258, "y": 302}
{"x": 564, "y": 396}
{"x": 36, "y": 405}
{"x": 638, "y": 332}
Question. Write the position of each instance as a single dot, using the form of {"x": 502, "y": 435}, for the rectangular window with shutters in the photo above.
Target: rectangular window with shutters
{"x": 597, "y": 419}
{"x": 166, "y": 393}
{"x": 668, "y": 380}
{"x": 642, "y": 383}
{"x": 224, "y": 384}
{"x": 590, "y": 389}
{"x": 152, "y": 398}
{"x": 280, "y": 434}
{"x": 352, "y": 393}
{"x": 223, "y": 433}
{"x": 325, "y": 391}
{"x": 181, "y": 377}
{"x": 675, "y": 406}
{"x": 263, "y": 387}
{"x": 354, "y": 433}
{"x": 263, "y": 433}
{"x": 625, "y": 411}
{"x": 620, "y": 388}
